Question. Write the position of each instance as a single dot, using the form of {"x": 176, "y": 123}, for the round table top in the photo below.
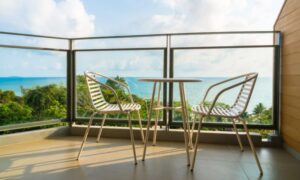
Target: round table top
{"x": 170, "y": 80}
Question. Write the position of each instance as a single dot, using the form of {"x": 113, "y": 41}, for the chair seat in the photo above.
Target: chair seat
{"x": 216, "y": 111}
{"x": 125, "y": 107}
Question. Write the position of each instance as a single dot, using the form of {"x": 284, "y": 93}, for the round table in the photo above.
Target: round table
{"x": 186, "y": 126}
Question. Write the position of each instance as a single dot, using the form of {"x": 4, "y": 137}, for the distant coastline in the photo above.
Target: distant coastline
{"x": 194, "y": 92}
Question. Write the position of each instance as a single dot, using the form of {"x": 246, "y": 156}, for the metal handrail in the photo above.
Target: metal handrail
{"x": 33, "y": 35}
{"x": 32, "y": 48}
{"x": 135, "y": 36}
{"x": 120, "y": 49}
{"x": 140, "y": 35}
{"x": 175, "y": 34}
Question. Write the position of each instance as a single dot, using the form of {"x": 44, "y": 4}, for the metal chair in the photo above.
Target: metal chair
{"x": 101, "y": 106}
{"x": 247, "y": 83}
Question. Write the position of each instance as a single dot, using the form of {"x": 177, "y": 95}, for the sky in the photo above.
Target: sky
{"x": 76, "y": 18}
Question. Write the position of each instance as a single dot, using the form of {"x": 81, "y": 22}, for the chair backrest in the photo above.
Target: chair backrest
{"x": 245, "y": 93}
{"x": 94, "y": 87}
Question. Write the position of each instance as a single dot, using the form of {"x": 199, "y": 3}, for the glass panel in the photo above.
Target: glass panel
{"x": 32, "y": 86}
{"x": 125, "y": 66}
{"x": 215, "y": 65}
{"x": 223, "y": 40}
{"x": 137, "y": 42}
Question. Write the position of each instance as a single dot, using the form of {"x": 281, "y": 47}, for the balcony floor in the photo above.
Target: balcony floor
{"x": 112, "y": 159}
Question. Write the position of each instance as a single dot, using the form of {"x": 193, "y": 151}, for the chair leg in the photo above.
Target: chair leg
{"x": 132, "y": 137}
{"x": 196, "y": 143}
{"x": 86, "y": 135}
{"x": 100, "y": 130}
{"x": 141, "y": 126}
{"x": 149, "y": 121}
{"x": 237, "y": 135}
{"x": 192, "y": 133}
{"x": 155, "y": 128}
{"x": 252, "y": 147}
{"x": 157, "y": 116}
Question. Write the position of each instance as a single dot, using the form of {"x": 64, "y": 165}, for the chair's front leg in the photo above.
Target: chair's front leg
{"x": 157, "y": 115}
{"x": 149, "y": 121}
{"x": 86, "y": 134}
{"x": 101, "y": 128}
{"x": 237, "y": 135}
{"x": 196, "y": 143}
{"x": 186, "y": 132}
{"x": 132, "y": 137}
{"x": 252, "y": 147}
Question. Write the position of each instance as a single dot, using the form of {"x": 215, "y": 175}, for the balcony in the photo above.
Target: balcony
{"x": 163, "y": 55}
{"x": 43, "y": 118}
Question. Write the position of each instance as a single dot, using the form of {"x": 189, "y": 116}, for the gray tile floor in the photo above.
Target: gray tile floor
{"x": 112, "y": 159}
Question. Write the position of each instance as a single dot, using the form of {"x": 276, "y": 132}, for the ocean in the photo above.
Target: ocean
{"x": 194, "y": 91}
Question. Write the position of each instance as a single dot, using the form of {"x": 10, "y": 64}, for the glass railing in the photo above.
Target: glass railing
{"x": 33, "y": 89}
{"x": 44, "y": 79}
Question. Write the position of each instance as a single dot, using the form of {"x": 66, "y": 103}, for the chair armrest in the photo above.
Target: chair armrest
{"x": 112, "y": 90}
{"x": 118, "y": 82}
{"x": 225, "y": 90}
{"x": 222, "y": 82}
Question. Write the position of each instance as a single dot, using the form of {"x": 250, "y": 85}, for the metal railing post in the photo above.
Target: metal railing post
{"x": 70, "y": 84}
{"x": 171, "y": 75}
{"x": 165, "y": 93}
{"x": 277, "y": 81}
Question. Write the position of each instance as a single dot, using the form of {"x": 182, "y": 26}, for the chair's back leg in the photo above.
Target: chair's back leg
{"x": 86, "y": 134}
{"x": 132, "y": 137}
{"x": 141, "y": 126}
{"x": 101, "y": 128}
{"x": 192, "y": 132}
{"x": 237, "y": 135}
{"x": 252, "y": 147}
{"x": 193, "y": 125}
{"x": 155, "y": 127}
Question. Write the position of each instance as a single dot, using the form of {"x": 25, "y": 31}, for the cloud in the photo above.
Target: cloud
{"x": 216, "y": 15}
{"x": 47, "y": 17}
{"x": 26, "y": 63}
{"x": 60, "y": 18}
{"x": 222, "y": 63}
{"x": 171, "y": 3}
{"x": 70, "y": 18}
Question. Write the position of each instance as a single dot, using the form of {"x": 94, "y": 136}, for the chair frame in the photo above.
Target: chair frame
{"x": 121, "y": 110}
{"x": 248, "y": 77}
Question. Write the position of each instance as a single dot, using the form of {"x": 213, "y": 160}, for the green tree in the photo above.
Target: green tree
{"x": 259, "y": 109}
{"x": 245, "y": 115}
{"x": 13, "y": 112}
{"x": 46, "y": 101}
{"x": 115, "y": 85}
{"x": 84, "y": 106}
{"x": 8, "y": 96}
